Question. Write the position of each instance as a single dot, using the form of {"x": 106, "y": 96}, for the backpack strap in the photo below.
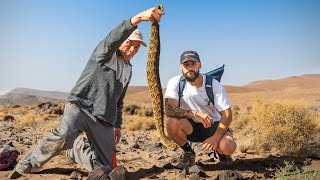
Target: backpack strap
{"x": 182, "y": 84}
{"x": 209, "y": 89}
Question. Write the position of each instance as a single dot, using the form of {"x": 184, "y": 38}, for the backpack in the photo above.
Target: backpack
{"x": 216, "y": 74}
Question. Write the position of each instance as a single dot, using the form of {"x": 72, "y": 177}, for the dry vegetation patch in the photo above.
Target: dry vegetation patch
{"x": 33, "y": 116}
{"x": 286, "y": 126}
{"x": 135, "y": 123}
{"x": 137, "y": 117}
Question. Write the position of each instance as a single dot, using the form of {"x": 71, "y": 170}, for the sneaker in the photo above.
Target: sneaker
{"x": 69, "y": 159}
{"x": 21, "y": 168}
{"x": 187, "y": 160}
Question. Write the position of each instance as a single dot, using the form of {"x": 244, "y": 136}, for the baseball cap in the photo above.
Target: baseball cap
{"x": 136, "y": 35}
{"x": 189, "y": 56}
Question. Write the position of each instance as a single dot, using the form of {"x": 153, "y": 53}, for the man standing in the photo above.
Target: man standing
{"x": 194, "y": 119}
{"x": 94, "y": 105}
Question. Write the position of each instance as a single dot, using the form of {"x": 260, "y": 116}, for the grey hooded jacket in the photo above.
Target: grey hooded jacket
{"x": 103, "y": 83}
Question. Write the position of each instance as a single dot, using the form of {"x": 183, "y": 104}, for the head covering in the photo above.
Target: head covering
{"x": 137, "y": 36}
{"x": 189, "y": 56}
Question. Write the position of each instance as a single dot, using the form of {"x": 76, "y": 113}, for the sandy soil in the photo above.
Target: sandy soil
{"x": 145, "y": 158}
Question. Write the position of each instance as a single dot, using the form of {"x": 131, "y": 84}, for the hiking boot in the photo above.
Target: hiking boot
{"x": 118, "y": 173}
{"x": 98, "y": 173}
{"x": 187, "y": 160}
{"x": 225, "y": 159}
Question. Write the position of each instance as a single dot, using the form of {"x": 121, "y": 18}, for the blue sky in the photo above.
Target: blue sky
{"x": 45, "y": 44}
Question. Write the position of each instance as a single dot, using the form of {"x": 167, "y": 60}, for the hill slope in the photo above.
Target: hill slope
{"x": 140, "y": 94}
{"x": 307, "y": 81}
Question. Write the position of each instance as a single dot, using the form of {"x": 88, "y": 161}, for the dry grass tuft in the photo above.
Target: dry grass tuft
{"x": 287, "y": 126}
{"x": 291, "y": 171}
{"x": 140, "y": 123}
{"x": 32, "y": 116}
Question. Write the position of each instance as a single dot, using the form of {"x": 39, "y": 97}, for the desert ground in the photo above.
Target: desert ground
{"x": 144, "y": 157}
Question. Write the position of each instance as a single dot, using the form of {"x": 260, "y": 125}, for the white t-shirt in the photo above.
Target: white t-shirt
{"x": 197, "y": 99}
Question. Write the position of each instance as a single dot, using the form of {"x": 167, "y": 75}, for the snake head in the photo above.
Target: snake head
{"x": 161, "y": 8}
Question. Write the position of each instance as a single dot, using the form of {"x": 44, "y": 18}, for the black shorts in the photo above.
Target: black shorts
{"x": 200, "y": 133}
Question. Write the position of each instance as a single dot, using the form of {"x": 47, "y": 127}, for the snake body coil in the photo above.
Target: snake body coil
{"x": 154, "y": 83}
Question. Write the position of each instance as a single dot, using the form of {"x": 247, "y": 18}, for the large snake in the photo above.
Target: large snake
{"x": 154, "y": 83}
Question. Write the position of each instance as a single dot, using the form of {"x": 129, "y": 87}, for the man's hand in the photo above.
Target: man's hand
{"x": 152, "y": 15}
{"x": 204, "y": 118}
{"x": 117, "y": 135}
{"x": 212, "y": 142}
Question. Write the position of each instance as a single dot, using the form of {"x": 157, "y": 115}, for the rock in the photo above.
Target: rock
{"x": 75, "y": 175}
{"x": 229, "y": 175}
{"x": 35, "y": 112}
{"x": 270, "y": 156}
{"x": 25, "y": 128}
{"x": 124, "y": 141}
{"x": 12, "y": 106}
{"x": 3, "y": 142}
{"x": 166, "y": 165}
{"x": 194, "y": 177}
{"x": 197, "y": 170}
{"x": 241, "y": 156}
{"x": 19, "y": 138}
{"x": 158, "y": 145}
{"x": 8, "y": 118}
{"x": 183, "y": 174}
{"x": 207, "y": 160}
{"x": 153, "y": 176}
{"x": 131, "y": 109}
{"x": 307, "y": 161}
{"x": 136, "y": 146}
{"x": 27, "y": 141}
{"x": 45, "y": 105}
{"x": 5, "y": 127}
{"x": 58, "y": 111}
{"x": 47, "y": 111}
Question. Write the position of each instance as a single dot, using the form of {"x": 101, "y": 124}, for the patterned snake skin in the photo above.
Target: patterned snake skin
{"x": 154, "y": 83}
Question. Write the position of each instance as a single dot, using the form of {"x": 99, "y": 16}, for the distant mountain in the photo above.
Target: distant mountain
{"x": 33, "y": 92}
{"x": 24, "y": 99}
{"x": 307, "y": 81}
{"x": 25, "y": 96}
{"x": 140, "y": 94}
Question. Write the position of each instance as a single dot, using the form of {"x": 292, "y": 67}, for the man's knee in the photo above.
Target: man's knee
{"x": 227, "y": 145}
{"x": 172, "y": 125}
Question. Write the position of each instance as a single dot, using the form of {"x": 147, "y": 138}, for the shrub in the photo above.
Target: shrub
{"x": 236, "y": 108}
{"x": 291, "y": 171}
{"x": 145, "y": 111}
{"x": 131, "y": 109}
{"x": 30, "y": 120}
{"x": 287, "y": 126}
{"x": 148, "y": 112}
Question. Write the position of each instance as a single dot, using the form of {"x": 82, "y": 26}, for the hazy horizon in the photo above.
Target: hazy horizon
{"x": 3, "y": 93}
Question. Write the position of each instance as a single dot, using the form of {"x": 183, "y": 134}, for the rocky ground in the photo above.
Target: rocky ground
{"x": 144, "y": 158}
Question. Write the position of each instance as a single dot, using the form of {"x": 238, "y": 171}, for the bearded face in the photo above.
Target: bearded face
{"x": 191, "y": 75}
